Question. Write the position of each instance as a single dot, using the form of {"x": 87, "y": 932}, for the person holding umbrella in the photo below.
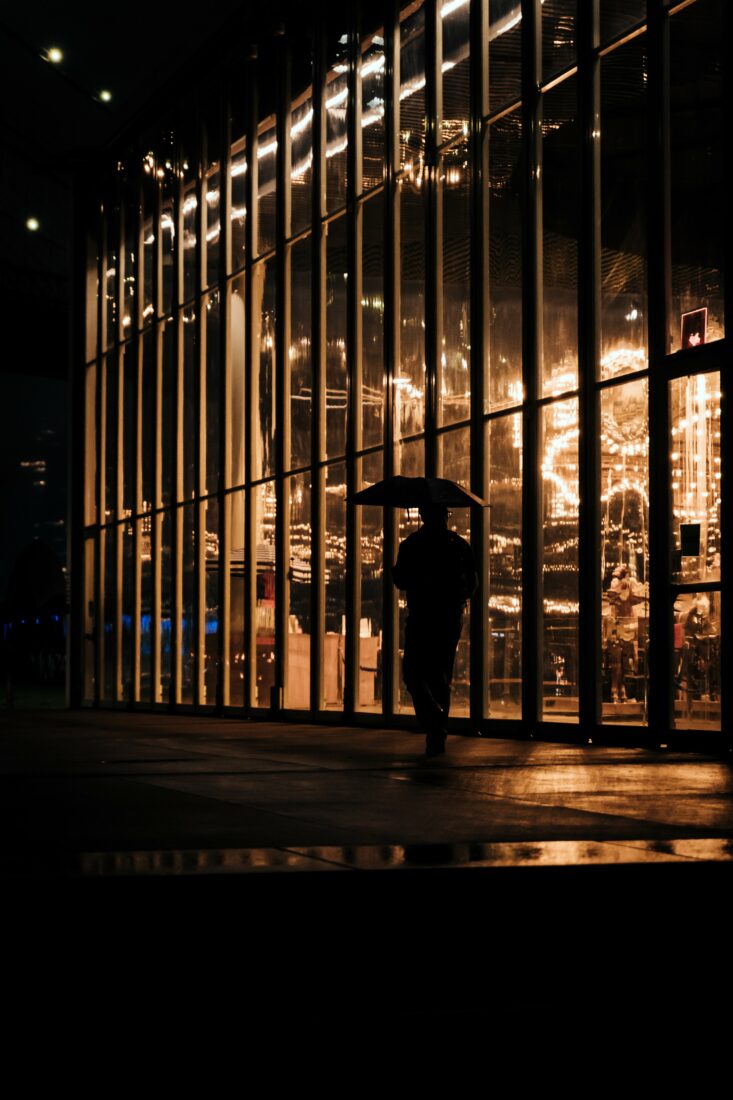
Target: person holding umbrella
{"x": 436, "y": 569}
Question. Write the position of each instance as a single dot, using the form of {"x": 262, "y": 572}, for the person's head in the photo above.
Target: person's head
{"x": 434, "y": 515}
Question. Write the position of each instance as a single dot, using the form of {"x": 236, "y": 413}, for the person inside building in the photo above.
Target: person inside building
{"x": 435, "y": 567}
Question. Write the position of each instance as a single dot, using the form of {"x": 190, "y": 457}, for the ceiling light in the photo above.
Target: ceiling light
{"x": 54, "y": 55}
{"x": 105, "y": 96}
{"x": 33, "y": 224}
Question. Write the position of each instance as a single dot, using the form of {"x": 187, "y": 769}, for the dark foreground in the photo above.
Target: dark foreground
{"x": 292, "y": 877}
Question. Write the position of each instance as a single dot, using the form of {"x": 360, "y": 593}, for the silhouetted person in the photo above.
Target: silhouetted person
{"x": 436, "y": 568}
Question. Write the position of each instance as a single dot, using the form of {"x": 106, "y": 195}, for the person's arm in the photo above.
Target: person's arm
{"x": 469, "y": 576}
{"x": 399, "y": 569}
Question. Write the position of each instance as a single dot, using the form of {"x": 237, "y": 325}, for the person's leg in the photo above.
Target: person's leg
{"x": 418, "y": 671}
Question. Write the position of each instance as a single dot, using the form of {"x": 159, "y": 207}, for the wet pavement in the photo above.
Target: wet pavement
{"x": 544, "y": 872}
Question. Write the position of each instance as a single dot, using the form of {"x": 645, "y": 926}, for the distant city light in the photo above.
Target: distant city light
{"x": 54, "y": 55}
{"x": 33, "y": 224}
{"x": 105, "y": 95}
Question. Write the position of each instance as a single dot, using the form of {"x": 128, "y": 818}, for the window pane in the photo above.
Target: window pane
{"x": 334, "y": 651}
{"x": 188, "y": 634}
{"x": 190, "y": 280}
{"x": 409, "y": 380}
{"x": 558, "y": 36}
{"x": 113, "y": 229}
{"x": 618, "y": 16}
{"x": 505, "y": 52}
{"x": 166, "y": 606}
{"x": 89, "y": 621}
{"x": 297, "y": 678}
{"x": 234, "y": 502}
{"x": 211, "y": 596}
{"x": 410, "y": 463}
{"x": 369, "y": 696}
{"x": 213, "y": 383}
{"x": 213, "y": 226}
{"x": 505, "y": 263}
{"x": 698, "y": 193}
{"x": 238, "y": 171}
{"x": 301, "y": 164}
{"x": 111, "y": 427}
{"x": 129, "y": 429}
{"x": 132, "y": 214}
{"x": 266, "y": 186}
{"x": 372, "y": 322}
{"x": 412, "y": 89}
{"x": 559, "y": 516}
{"x": 265, "y": 511}
{"x": 146, "y": 610}
{"x": 148, "y": 233}
{"x": 337, "y": 102}
{"x": 236, "y": 381}
{"x": 147, "y": 418}
{"x": 697, "y": 676}
{"x": 623, "y": 210}
{"x": 300, "y": 359}
{"x": 263, "y": 367}
{"x": 456, "y": 45}
{"x": 128, "y": 607}
{"x": 696, "y": 478}
{"x": 455, "y": 455}
{"x": 109, "y": 553}
{"x": 191, "y": 372}
{"x": 168, "y": 232}
{"x": 504, "y": 461}
{"x": 372, "y": 109}
{"x": 454, "y": 368}
{"x": 336, "y": 369}
{"x": 169, "y": 384}
{"x": 624, "y": 501}
{"x": 90, "y": 444}
{"x": 561, "y": 204}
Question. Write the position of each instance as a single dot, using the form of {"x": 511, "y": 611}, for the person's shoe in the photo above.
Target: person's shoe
{"x": 435, "y": 746}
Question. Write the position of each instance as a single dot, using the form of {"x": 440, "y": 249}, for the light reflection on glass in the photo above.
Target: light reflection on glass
{"x": 504, "y": 638}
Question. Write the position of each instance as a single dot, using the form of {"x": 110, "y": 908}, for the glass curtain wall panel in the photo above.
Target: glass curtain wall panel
{"x": 166, "y": 605}
{"x": 624, "y": 183}
{"x": 372, "y": 323}
{"x": 412, "y": 90}
{"x": 504, "y": 244}
{"x": 698, "y": 188}
{"x": 128, "y": 608}
{"x": 559, "y": 41}
{"x": 237, "y": 367}
{"x": 454, "y": 367}
{"x": 697, "y": 668}
{"x": 624, "y": 515}
{"x": 301, "y": 163}
{"x": 109, "y": 555}
{"x": 213, "y": 224}
{"x": 336, "y": 361}
{"x": 238, "y": 174}
{"x": 369, "y": 696}
{"x": 111, "y": 465}
{"x": 618, "y": 16}
{"x": 264, "y": 299}
{"x": 211, "y": 315}
{"x": 148, "y": 236}
{"x": 561, "y": 206}
{"x": 504, "y": 566}
{"x": 455, "y": 463}
{"x": 297, "y": 676}
{"x": 112, "y": 274}
{"x": 234, "y": 502}
{"x": 410, "y": 462}
{"x": 266, "y": 186}
{"x": 191, "y": 386}
{"x": 372, "y": 109}
{"x": 132, "y": 215}
{"x": 212, "y": 564}
{"x": 146, "y": 608}
{"x": 129, "y": 428}
{"x": 337, "y": 102}
{"x": 334, "y": 642}
{"x": 505, "y": 53}
{"x": 190, "y": 208}
{"x": 455, "y": 66}
{"x": 695, "y": 460}
{"x": 560, "y": 595}
{"x": 265, "y": 504}
{"x": 168, "y": 388}
{"x": 147, "y": 418}
{"x": 409, "y": 377}
{"x": 168, "y": 242}
{"x": 88, "y": 653}
{"x": 300, "y": 359}
{"x": 90, "y": 443}
{"x": 188, "y": 617}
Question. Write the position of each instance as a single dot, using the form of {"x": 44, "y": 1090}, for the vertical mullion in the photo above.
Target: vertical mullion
{"x": 138, "y": 346}
{"x": 531, "y": 359}
{"x": 282, "y": 373}
{"x": 225, "y": 411}
{"x": 659, "y": 293}
{"x": 318, "y": 306}
{"x": 178, "y": 513}
{"x": 353, "y": 346}
{"x": 99, "y": 490}
{"x": 199, "y": 305}
{"x": 589, "y": 657}
{"x": 390, "y": 631}
{"x": 433, "y": 234}
{"x": 250, "y": 562}
{"x": 479, "y": 39}
{"x": 726, "y": 468}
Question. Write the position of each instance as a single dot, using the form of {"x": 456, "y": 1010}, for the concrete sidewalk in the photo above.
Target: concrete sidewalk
{"x": 107, "y": 793}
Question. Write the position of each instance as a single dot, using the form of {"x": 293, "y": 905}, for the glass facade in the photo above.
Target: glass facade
{"x": 479, "y": 240}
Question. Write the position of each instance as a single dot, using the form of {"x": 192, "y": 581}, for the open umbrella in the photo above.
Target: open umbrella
{"x": 413, "y": 492}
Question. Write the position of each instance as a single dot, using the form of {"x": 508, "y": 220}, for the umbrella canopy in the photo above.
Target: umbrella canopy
{"x": 413, "y": 492}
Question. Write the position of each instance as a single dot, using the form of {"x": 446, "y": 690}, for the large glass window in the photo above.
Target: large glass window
{"x": 504, "y": 566}
{"x": 454, "y": 365}
{"x": 504, "y": 246}
{"x": 297, "y": 676}
{"x": 369, "y": 697}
